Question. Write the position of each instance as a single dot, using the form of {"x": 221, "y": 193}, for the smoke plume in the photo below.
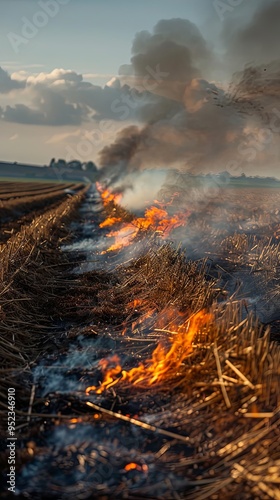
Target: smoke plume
{"x": 206, "y": 125}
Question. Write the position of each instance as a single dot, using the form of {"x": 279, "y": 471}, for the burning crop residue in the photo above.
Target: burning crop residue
{"x": 154, "y": 391}
{"x": 164, "y": 363}
{"x": 149, "y": 371}
{"x": 133, "y": 466}
{"x": 107, "y": 196}
{"x": 110, "y": 221}
{"x": 156, "y": 219}
{"x": 123, "y": 237}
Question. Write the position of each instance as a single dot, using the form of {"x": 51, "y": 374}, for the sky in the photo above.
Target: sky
{"x": 99, "y": 79}
{"x": 88, "y": 36}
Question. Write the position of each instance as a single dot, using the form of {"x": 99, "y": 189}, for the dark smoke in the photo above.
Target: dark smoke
{"x": 259, "y": 85}
{"x": 176, "y": 45}
{"x": 211, "y": 126}
{"x": 258, "y": 41}
{"x": 118, "y": 155}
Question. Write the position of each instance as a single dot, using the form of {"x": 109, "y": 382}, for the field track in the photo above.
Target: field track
{"x": 18, "y": 189}
{"x": 21, "y": 203}
{"x": 29, "y": 263}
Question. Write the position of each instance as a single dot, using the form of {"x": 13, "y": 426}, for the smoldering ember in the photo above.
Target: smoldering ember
{"x": 140, "y": 251}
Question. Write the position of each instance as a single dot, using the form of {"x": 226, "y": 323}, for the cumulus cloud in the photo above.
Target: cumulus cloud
{"x": 62, "y": 97}
{"x": 55, "y": 77}
{"x": 45, "y": 100}
{"x": 7, "y": 83}
{"x": 48, "y": 108}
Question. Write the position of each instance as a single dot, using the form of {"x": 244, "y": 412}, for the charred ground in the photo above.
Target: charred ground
{"x": 206, "y": 425}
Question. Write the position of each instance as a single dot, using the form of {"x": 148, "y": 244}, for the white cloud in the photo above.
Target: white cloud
{"x": 72, "y": 99}
{"x": 57, "y": 75}
{"x": 20, "y": 75}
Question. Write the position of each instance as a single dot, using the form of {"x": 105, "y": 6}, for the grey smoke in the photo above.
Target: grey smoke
{"x": 210, "y": 127}
{"x": 257, "y": 42}
{"x": 176, "y": 45}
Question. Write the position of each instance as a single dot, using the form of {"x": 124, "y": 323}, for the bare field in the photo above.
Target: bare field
{"x": 31, "y": 246}
{"x": 10, "y": 188}
{"x": 20, "y": 203}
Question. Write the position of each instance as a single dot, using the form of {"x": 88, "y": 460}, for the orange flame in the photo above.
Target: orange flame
{"x": 133, "y": 466}
{"x": 123, "y": 237}
{"x": 75, "y": 420}
{"x": 166, "y": 203}
{"x": 136, "y": 303}
{"x": 107, "y": 196}
{"x": 110, "y": 221}
{"x": 164, "y": 363}
{"x": 154, "y": 218}
{"x": 142, "y": 321}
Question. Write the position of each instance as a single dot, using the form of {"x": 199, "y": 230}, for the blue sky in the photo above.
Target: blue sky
{"x": 89, "y": 36}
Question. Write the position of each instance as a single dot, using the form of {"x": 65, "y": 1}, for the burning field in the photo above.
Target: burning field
{"x": 143, "y": 346}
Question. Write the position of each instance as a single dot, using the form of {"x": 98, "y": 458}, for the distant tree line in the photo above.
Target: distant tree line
{"x": 74, "y": 165}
